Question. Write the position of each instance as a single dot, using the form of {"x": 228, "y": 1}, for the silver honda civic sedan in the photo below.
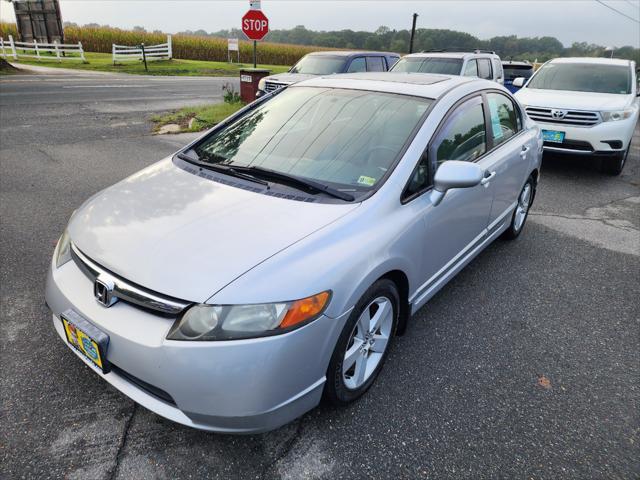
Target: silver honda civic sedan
{"x": 270, "y": 263}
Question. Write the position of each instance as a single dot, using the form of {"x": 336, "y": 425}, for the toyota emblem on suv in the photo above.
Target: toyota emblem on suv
{"x": 558, "y": 114}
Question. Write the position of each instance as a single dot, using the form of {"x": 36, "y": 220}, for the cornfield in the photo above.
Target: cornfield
{"x": 186, "y": 47}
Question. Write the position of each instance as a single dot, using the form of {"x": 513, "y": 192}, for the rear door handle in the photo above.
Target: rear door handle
{"x": 525, "y": 149}
{"x": 487, "y": 178}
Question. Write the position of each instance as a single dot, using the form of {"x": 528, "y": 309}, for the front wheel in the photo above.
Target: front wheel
{"x": 363, "y": 344}
{"x": 615, "y": 164}
{"x": 521, "y": 212}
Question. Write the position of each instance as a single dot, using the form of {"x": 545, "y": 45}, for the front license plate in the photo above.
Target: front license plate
{"x": 87, "y": 339}
{"x": 553, "y": 136}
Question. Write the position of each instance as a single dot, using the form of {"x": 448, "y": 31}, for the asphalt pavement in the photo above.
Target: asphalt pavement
{"x": 525, "y": 366}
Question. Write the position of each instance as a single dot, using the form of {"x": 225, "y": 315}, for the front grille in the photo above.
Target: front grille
{"x": 271, "y": 86}
{"x": 577, "y": 118}
{"x": 127, "y": 291}
{"x": 147, "y": 387}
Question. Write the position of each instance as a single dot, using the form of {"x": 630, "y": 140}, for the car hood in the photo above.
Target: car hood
{"x": 564, "y": 99}
{"x": 185, "y": 236}
{"x": 289, "y": 78}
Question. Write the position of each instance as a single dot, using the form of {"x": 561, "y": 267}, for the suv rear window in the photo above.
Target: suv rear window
{"x": 511, "y": 72}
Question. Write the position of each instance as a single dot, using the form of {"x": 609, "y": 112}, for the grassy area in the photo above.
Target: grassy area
{"x": 103, "y": 62}
{"x": 206, "y": 116}
{"x": 6, "y": 68}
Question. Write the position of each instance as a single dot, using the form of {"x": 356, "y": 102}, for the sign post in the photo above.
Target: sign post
{"x": 255, "y": 26}
{"x": 233, "y": 46}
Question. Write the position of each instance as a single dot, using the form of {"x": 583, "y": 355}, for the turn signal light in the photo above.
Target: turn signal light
{"x": 302, "y": 310}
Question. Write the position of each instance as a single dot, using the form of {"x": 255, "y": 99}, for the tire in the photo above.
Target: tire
{"x": 615, "y": 164}
{"x": 366, "y": 357}
{"x": 521, "y": 212}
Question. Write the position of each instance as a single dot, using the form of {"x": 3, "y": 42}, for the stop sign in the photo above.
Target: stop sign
{"x": 255, "y": 25}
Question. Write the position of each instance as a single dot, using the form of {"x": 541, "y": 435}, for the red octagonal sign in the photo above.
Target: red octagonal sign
{"x": 255, "y": 25}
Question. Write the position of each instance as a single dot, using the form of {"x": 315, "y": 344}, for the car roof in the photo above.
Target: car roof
{"x": 450, "y": 54}
{"x": 593, "y": 60}
{"x": 348, "y": 53}
{"x": 417, "y": 84}
{"x": 517, "y": 64}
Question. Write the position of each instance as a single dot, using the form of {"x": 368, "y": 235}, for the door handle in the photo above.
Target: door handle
{"x": 525, "y": 149}
{"x": 487, "y": 178}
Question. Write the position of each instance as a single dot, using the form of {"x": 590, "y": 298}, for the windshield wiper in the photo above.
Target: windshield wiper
{"x": 232, "y": 171}
{"x": 296, "y": 182}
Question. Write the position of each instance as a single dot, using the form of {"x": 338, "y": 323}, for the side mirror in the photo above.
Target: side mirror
{"x": 454, "y": 174}
{"x": 518, "y": 82}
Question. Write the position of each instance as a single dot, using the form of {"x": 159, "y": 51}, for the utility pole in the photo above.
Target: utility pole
{"x": 413, "y": 32}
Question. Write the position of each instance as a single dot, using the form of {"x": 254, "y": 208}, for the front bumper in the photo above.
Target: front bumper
{"x": 241, "y": 386}
{"x": 606, "y": 138}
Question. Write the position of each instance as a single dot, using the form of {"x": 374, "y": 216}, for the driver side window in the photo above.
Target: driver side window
{"x": 464, "y": 136}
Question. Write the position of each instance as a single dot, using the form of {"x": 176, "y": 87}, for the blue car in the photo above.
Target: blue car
{"x": 513, "y": 70}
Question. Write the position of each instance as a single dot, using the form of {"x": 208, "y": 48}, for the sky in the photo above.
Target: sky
{"x": 567, "y": 20}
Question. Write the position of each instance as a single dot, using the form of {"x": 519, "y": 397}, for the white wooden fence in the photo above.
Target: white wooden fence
{"x": 61, "y": 51}
{"x": 162, "y": 51}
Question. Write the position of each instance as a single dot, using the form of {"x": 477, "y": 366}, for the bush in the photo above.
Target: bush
{"x": 229, "y": 94}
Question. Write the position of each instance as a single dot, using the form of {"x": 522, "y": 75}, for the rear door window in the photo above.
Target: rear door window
{"x": 505, "y": 118}
{"x": 375, "y": 64}
{"x": 357, "y": 65}
{"x": 484, "y": 68}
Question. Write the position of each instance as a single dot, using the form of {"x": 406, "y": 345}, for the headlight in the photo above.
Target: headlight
{"x": 616, "y": 115}
{"x": 229, "y": 322}
{"x": 62, "y": 253}
{"x": 262, "y": 84}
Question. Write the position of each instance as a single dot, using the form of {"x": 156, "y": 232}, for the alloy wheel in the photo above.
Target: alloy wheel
{"x": 367, "y": 343}
{"x": 524, "y": 201}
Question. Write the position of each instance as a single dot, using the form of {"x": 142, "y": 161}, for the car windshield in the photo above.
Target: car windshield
{"x": 349, "y": 138}
{"x": 583, "y": 77}
{"x": 446, "y": 66}
{"x": 319, "y": 65}
{"x": 511, "y": 72}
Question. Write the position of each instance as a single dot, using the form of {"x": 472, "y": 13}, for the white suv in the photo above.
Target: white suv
{"x": 584, "y": 106}
{"x": 479, "y": 63}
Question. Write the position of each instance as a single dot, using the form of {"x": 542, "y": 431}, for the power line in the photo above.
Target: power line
{"x": 617, "y": 11}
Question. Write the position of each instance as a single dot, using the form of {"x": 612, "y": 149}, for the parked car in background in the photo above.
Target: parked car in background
{"x": 327, "y": 63}
{"x": 584, "y": 106}
{"x": 480, "y": 63}
{"x": 227, "y": 288}
{"x": 513, "y": 70}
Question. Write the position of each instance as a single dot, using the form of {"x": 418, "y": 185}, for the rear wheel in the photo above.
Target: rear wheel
{"x": 363, "y": 344}
{"x": 521, "y": 212}
{"x": 615, "y": 164}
